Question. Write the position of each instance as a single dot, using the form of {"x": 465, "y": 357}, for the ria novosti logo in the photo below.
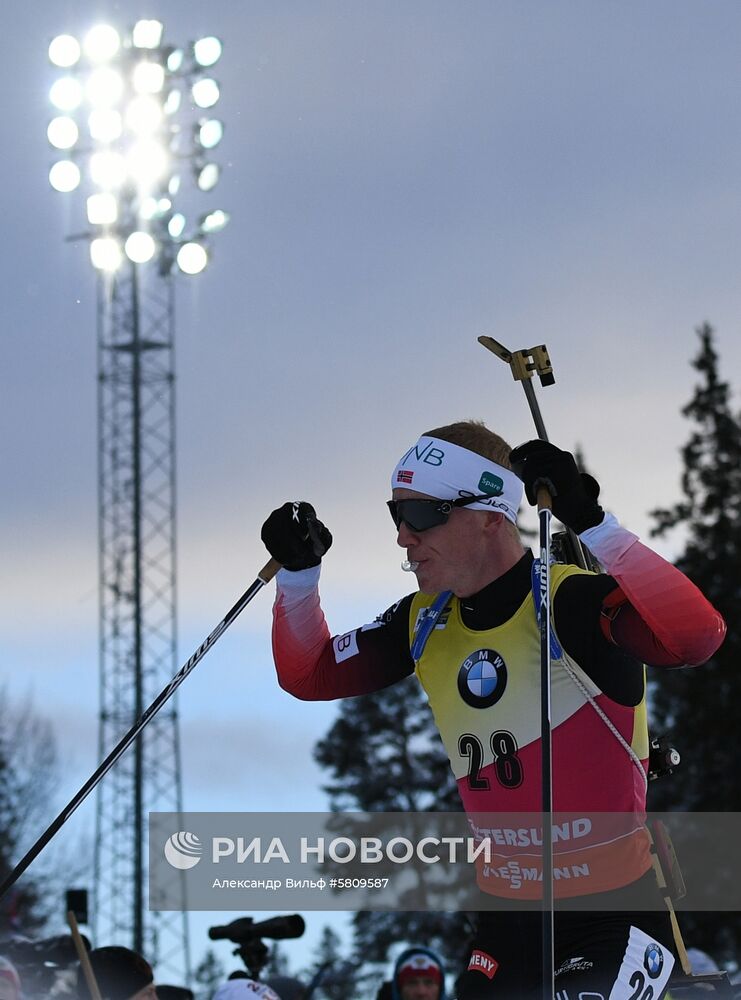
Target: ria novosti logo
{"x": 183, "y": 850}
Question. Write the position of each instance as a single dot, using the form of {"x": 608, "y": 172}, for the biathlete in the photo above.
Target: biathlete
{"x": 471, "y": 636}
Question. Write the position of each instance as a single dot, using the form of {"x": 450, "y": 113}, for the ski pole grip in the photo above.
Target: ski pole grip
{"x": 543, "y": 498}
{"x": 269, "y": 570}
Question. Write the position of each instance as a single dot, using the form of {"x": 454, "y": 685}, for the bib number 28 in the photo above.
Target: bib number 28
{"x": 507, "y": 765}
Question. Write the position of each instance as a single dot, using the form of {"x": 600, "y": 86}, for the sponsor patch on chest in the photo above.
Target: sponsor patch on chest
{"x": 482, "y": 678}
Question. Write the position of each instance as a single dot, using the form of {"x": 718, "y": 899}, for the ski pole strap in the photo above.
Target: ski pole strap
{"x": 556, "y": 651}
{"x": 426, "y": 622}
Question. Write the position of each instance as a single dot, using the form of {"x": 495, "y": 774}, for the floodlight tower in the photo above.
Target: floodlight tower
{"x": 133, "y": 125}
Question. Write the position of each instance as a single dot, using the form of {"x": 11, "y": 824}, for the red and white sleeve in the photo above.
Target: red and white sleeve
{"x": 314, "y": 665}
{"x": 653, "y": 595}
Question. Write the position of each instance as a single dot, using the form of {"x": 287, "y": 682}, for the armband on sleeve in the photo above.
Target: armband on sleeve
{"x": 658, "y": 613}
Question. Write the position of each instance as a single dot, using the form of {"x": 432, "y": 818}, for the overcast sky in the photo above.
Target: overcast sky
{"x": 401, "y": 178}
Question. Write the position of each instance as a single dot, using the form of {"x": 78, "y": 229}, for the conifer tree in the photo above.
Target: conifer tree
{"x": 278, "y": 963}
{"x": 336, "y": 975}
{"x": 209, "y": 974}
{"x": 699, "y": 705}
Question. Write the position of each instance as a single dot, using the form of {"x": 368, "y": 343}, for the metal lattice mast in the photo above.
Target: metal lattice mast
{"x": 136, "y": 409}
{"x": 121, "y": 116}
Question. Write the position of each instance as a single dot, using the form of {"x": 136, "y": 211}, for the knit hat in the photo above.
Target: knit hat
{"x": 701, "y": 962}
{"x": 119, "y": 972}
{"x": 419, "y": 964}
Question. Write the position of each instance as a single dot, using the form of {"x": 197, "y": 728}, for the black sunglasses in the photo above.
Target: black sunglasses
{"x": 419, "y": 515}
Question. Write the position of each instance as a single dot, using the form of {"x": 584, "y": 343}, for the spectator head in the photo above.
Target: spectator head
{"x": 244, "y": 989}
{"x": 10, "y": 983}
{"x": 121, "y": 974}
{"x": 167, "y": 992}
{"x": 287, "y": 988}
{"x": 419, "y": 976}
{"x": 701, "y": 962}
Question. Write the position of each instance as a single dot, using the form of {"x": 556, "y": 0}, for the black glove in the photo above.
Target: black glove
{"x": 295, "y": 537}
{"x": 574, "y": 494}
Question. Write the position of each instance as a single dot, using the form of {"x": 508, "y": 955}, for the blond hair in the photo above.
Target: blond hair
{"x": 475, "y": 436}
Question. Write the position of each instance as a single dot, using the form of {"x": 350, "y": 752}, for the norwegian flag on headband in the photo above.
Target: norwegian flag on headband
{"x": 404, "y": 476}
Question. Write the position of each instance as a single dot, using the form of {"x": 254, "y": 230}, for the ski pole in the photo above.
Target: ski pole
{"x": 523, "y": 364}
{"x": 82, "y": 955}
{"x": 546, "y": 742}
{"x": 265, "y": 575}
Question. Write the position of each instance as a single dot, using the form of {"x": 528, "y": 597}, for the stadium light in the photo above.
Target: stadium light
{"x": 148, "y": 77}
{"x": 101, "y": 43}
{"x": 207, "y": 51}
{"x": 175, "y": 60}
{"x": 147, "y": 34}
{"x": 108, "y": 169}
{"x": 192, "y": 258}
{"x": 105, "y": 125}
{"x": 127, "y": 130}
{"x": 105, "y": 253}
{"x": 205, "y": 93}
{"x": 120, "y": 129}
{"x": 66, "y": 94}
{"x": 154, "y": 208}
{"x": 214, "y": 222}
{"x": 64, "y": 51}
{"x": 210, "y": 132}
{"x": 172, "y": 102}
{"x": 144, "y": 114}
{"x": 102, "y": 209}
{"x": 140, "y": 247}
{"x": 64, "y": 176}
{"x": 208, "y": 177}
{"x": 62, "y": 132}
{"x": 176, "y": 225}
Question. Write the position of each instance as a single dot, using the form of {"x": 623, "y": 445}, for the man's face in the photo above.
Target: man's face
{"x": 451, "y": 556}
{"x": 420, "y": 987}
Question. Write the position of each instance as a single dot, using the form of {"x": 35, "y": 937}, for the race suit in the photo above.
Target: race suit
{"x": 480, "y": 668}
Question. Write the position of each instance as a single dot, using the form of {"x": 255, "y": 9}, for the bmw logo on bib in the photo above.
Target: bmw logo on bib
{"x": 653, "y": 961}
{"x": 482, "y": 678}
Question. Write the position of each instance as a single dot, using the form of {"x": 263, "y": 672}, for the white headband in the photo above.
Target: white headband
{"x": 447, "y": 471}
